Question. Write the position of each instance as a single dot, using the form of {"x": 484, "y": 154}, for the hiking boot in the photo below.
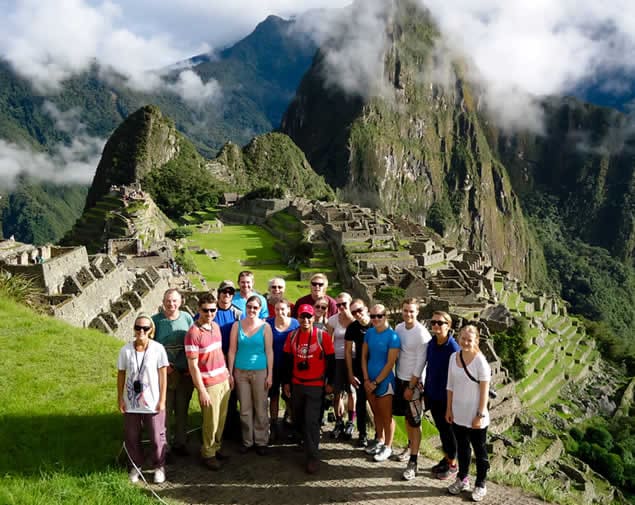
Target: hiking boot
{"x": 362, "y": 441}
{"x": 371, "y": 446}
{"x": 159, "y": 476}
{"x": 221, "y": 456}
{"x": 313, "y": 466}
{"x": 338, "y": 430}
{"x": 244, "y": 449}
{"x": 459, "y": 485}
{"x": 375, "y": 449}
{"x": 133, "y": 475}
{"x": 410, "y": 472}
{"x": 441, "y": 466}
{"x": 383, "y": 454}
{"x": 261, "y": 450}
{"x": 211, "y": 463}
{"x": 348, "y": 431}
{"x": 479, "y": 493}
{"x": 450, "y": 473}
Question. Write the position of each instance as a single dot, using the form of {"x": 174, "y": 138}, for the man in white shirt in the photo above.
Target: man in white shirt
{"x": 414, "y": 338}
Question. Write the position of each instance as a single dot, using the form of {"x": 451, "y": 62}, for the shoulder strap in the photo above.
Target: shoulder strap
{"x": 465, "y": 368}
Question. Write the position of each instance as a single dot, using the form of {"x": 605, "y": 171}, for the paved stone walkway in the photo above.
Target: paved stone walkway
{"x": 347, "y": 475}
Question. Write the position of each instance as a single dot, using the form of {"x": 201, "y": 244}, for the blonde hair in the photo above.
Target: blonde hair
{"x": 446, "y": 317}
{"x": 143, "y": 315}
{"x": 472, "y": 328}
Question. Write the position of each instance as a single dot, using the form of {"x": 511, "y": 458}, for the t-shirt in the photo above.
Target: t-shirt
{"x": 206, "y": 344}
{"x": 241, "y": 303}
{"x": 466, "y": 392}
{"x": 225, "y": 318}
{"x": 250, "y": 350}
{"x": 437, "y": 368}
{"x": 339, "y": 332}
{"x": 142, "y": 367}
{"x": 279, "y": 338}
{"x": 304, "y": 346}
{"x": 355, "y": 333}
{"x": 414, "y": 351}
{"x": 379, "y": 343}
{"x": 171, "y": 333}
{"x": 308, "y": 299}
{"x": 271, "y": 307}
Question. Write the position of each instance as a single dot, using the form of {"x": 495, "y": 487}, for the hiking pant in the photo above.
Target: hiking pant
{"x": 360, "y": 410}
{"x": 446, "y": 433}
{"x": 307, "y": 403}
{"x": 252, "y": 395}
{"x": 476, "y": 438}
{"x": 214, "y": 418}
{"x": 177, "y": 405}
{"x": 155, "y": 426}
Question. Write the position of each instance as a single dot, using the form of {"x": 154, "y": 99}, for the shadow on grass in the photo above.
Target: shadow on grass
{"x": 73, "y": 444}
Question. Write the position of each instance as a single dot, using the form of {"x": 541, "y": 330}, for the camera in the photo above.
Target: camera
{"x": 303, "y": 365}
{"x": 493, "y": 394}
{"x": 137, "y": 386}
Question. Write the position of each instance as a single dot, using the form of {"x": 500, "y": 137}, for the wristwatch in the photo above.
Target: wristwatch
{"x": 480, "y": 414}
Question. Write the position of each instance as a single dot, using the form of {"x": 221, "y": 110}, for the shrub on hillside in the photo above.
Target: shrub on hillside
{"x": 18, "y": 288}
{"x": 179, "y": 232}
{"x": 512, "y": 347}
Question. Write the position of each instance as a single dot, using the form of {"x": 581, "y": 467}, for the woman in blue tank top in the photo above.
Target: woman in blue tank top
{"x": 251, "y": 363}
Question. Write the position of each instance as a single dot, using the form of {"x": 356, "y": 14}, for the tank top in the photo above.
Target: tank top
{"x": 250, "y": 351}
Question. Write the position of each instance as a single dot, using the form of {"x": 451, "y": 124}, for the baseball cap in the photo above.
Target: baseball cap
{"x": 226, "y": 284}
{"x": 306, "y": 309}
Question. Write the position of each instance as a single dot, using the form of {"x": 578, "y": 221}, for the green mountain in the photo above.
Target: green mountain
{"x": 257, "y": 77}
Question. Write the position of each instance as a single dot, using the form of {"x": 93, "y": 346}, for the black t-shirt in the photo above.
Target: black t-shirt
{"x": 355, "y": 332}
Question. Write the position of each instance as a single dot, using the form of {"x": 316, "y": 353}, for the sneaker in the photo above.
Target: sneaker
{"x": 313, "y": 466}
{"x": 383, "y": 454}
{"x": 441, "y": 466}
{"x": 371, "y": 445}
{"x": 338, "y": 430}
{"x": 159, "y": 476}
{"x": 450, "y": 473}
{"x": 262, "y": 450}
{"x": 402, "y": 457}
{"x": 479, "y": 493}
{"x": 362, "y": 441}
{"x": 133, "y": 475}
{"x": 376, "y": 449}
{"x": 459, "y": 485}
{"x": 348, "y": 431}
{"x": 211, "y": 463}
{"x": 410, "y": 472}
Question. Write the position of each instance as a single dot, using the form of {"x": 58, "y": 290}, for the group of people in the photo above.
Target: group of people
{"x": 242, "y": 352}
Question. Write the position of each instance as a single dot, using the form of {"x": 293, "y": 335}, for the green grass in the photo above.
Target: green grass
{"x": 61, "y": 431}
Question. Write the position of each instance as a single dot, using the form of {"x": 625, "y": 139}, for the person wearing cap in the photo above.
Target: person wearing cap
{"x": 277, "y": 287}
{"x": 171, "y": 325}
{"x": 309, "y": 358}
{"x": 226, "y": 315}
{"x": 246, "y": 289}
{"x": 319, "y": 284}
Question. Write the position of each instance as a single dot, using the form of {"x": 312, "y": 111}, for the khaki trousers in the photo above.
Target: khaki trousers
{"x": 214, "y": 418}
{"x": 252, "y": 395}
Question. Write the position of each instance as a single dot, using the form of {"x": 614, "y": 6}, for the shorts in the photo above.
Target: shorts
{"x": 276, "y": 385}
{"x": 385, "y": 388}
{"x": 340, "y": 382}
{"x": 403, "y": 407}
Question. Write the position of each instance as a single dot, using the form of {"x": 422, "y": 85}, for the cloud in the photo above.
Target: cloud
{"x": 194, "y": 91}
{"x": 63, "y": 163}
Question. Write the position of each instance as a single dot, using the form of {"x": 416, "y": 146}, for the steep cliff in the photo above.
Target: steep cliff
{"x": 418, "y": 147}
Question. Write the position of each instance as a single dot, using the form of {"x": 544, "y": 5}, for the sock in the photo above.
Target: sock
{"x": 413, "y": 458}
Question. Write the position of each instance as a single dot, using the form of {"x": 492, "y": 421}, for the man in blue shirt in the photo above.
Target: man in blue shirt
{"x": 246, "y": 284}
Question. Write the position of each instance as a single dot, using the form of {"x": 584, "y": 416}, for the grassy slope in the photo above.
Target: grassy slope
{"x": 61, "y": 431}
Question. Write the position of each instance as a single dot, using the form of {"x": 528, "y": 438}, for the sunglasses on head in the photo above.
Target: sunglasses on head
{"x": 144, "y": 328}
{"x": 209, "y": 311}
{"x": 377, "y": 316}
{"x": 317, "y": 284}
{"x": 435, "y": 322}
{"x": 305, "y": 316}
{"x": 357, "y": 311}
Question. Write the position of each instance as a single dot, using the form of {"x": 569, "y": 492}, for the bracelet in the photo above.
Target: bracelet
{"x": 374, "y": 383}
{"x": 480, "y": 414}
{"x": 411, "y": 387}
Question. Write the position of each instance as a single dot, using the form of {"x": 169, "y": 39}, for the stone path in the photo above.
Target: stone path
{"x": 347, "y": 475}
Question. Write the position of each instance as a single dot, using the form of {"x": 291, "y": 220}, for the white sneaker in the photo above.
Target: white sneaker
{"x": 479, "y": 493}
{"x": 383, "y": 454}
{"x": 159, "y": 476}
{"x": 371, "y": 446}
{"x": 133, "y": 475}
{"x": 376, "y": 449}
{"x": 459, "y": 485}
{"x": 410, "y": 472}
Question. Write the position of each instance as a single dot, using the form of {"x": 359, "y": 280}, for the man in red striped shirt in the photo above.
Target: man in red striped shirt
{"x": 206, "y": 363}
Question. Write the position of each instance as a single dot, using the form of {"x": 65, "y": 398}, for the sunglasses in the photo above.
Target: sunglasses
{"x": 341, "y": 304}
{"x": 277, "y": 287}
{"x": 144, "y": 328}
{"x": 209, "y": 311}
{"x": 228, "y": 292}
{"x": 323, "y": 307}
{"x": 305, "y": 316}
{"x": 357, "y": 311}
{"x": 434, "y": 322}
{"x": 317, "y": 284}
{"x": 253, "y": 307}
{"x": 377, "y": 316}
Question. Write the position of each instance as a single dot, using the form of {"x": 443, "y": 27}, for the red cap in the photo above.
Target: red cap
{"x": 306, "y": 309}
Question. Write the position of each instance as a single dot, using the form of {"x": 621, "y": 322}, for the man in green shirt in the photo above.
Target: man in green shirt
{"x": 171, "y": 326}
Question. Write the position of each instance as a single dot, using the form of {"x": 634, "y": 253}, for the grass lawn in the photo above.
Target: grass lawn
{"x": 253, "y": 244}
{"x": 61, "y": 431}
